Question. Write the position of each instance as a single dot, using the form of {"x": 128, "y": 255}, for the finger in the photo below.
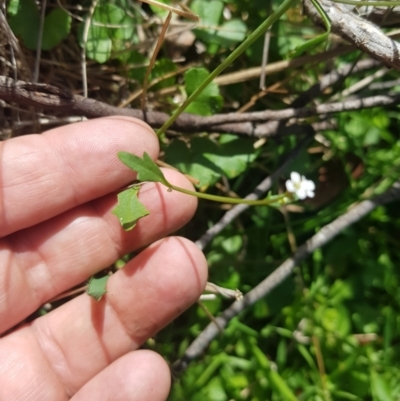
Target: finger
{"x": 138, "y": 376}
{"x": 43, "y": 261}
{"x": 45, "y": 175}
{"x": 71, "y": 345}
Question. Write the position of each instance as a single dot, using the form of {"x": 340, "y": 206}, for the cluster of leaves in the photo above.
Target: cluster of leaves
{"x": 129, "y": 209}
{"x": 332, "y": 331}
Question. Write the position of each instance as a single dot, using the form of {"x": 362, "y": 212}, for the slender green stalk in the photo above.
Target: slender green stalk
{"x": 235, "y": 201}
{"x": 319, "y": 39}
{"x": 324, "y": 17}
{"x": 286, "y": 4}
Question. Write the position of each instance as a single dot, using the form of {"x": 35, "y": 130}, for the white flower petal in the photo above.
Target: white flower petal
{"x": 301, "y": 193}
{"x": 290, "y": 186}
{"x": 295, "y": 177}
{"x": 309, "y": 185}
{"x": 299, "y": 185}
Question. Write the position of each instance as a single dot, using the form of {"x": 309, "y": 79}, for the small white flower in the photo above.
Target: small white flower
{"x": 299, "y": 185}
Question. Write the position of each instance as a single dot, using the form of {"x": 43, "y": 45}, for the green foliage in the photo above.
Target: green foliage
{"x": 340, "y": 308}
{"x": 129, "y": 209}
{"x": 161, "y": 68}
{"x": 214, "y": 30}
{"x": 97, "y": 287}
{"x": 109, "y": 30}
{"x": 145, "y": 167}
{"x": 208, "y": 160}
{"x": 57, "y": 25}
{"x": 25, "y": 22}
{"x": 209, "y": 101}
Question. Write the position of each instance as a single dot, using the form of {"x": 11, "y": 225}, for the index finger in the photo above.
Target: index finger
{"x": 45, "y": 175}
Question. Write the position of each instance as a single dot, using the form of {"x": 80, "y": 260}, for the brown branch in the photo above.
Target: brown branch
{"x": 52, "y": 98}
{"x": 382, "y": 16}
{"x": 322, "y": 237}
{"x": 302, "y": 112}
{"x": 358, "y": 32}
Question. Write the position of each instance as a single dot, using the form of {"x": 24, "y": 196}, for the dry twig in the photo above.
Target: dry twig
{"x": 253, "y": 124}
{"x": 359, "y": 32}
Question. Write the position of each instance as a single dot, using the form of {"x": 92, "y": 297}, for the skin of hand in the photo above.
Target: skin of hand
{"x": 56, "y": 230}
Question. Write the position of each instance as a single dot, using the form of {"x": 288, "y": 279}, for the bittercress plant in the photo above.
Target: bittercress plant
{"x": 129, "y": 209}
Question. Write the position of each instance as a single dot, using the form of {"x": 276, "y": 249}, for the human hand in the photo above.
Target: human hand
{"x": 56, "y": 230}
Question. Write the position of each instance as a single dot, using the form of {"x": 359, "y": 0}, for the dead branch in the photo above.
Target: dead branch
{"x": 381, "y": 16}
{"x": 253, "y": 124}
{"x": 357, "y": 31}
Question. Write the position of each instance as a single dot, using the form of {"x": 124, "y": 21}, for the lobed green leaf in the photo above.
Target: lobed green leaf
{"x": 129, "y": 209}
{"x": 146, "y": 168}
{"x": 97, "y": 287}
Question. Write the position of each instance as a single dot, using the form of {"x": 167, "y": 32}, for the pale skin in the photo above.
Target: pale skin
{"x": 56, "y": 230}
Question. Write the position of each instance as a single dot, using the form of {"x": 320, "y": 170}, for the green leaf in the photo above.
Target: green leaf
{"x": 194, "y": 77}
{"x": 25, "y": 23}
{"x": 231, "y": 32}
{"x": 57, "y": 26}
{"x": 208, "y": 160}
{"x": 160, "y": 69}
{"x": 233, "y": 244}
{"x": 111, "y": 26}
{"x": 129, "y": 209}
{"x": 12, "y": 7}
{"x": 209, "y": 101}
{"x": 98, "y": 44}
{"x": 146, "y": 168}
{"x": 210, "y": 13}
{"x": 192, "y": 162}
{"x": 380, "y": 387}
{"x": 99, "y": 50}
{"x": 336, "y": 320}
{"x": 97, "y": 287}
{"x": 227, "y": 33}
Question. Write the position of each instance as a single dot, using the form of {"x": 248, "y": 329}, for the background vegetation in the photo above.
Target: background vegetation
{"x": 332, "y": 330}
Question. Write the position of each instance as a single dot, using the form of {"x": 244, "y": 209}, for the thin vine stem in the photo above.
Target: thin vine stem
{"x": 230, "y": 59}
{"x": 235, "y": 201}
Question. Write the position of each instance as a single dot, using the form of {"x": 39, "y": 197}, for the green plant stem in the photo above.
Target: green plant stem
{"x": 286, "y": 4}
{"x": 320, "y": 38}
{"x": 235, "y": 201}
